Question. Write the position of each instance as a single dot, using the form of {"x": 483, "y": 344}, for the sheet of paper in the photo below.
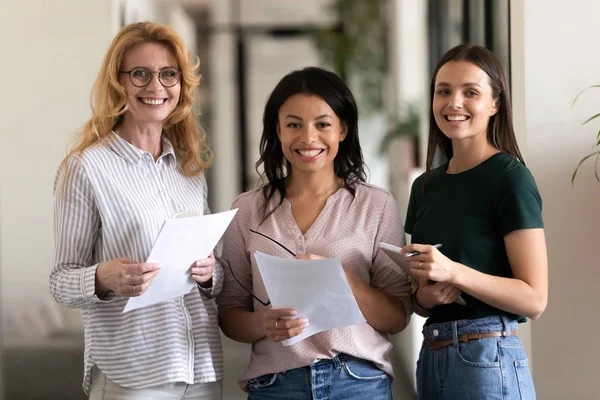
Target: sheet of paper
{"x": 316, "y": 289}
{"x": 180, "y": 242}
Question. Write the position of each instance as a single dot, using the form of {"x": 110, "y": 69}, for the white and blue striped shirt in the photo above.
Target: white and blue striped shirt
{"x": 110, "y": 202}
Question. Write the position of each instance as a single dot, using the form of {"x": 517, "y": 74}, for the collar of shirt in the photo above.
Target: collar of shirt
{"x": 133, "y": 154}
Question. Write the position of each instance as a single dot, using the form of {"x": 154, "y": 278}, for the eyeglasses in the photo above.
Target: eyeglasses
{"x": 140, "y": 77}
{"x": 268, "y": 302}
{"x": 274, "y": 241}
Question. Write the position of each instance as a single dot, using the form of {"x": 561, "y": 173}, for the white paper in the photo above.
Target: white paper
{"x": 317, "y": 289}
{"x": 180, "y": 242}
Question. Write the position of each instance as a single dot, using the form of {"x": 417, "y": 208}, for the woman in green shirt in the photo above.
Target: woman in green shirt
{"x": 484, "y": 208}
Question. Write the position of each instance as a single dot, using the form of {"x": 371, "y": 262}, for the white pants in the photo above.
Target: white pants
{"x": 104, "y": 389}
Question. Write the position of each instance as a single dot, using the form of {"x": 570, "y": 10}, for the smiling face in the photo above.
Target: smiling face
{"x": 463, "y": 101}
{"x": 154, "y": 102}
{"x": 310, "y": 133}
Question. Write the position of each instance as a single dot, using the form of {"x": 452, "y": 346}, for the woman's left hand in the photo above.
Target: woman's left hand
{"x": 309, "y": 257}
{"x": 202, "y": 270}
{"x": 430, "y": 264}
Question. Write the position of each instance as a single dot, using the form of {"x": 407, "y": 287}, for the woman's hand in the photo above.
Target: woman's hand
{"x": 202, "y": 270}
{"x": 430, "y": 264}
{"x": 125, "y": 277}
{"x": 430, "y": 294}
{"x": 277, "y": 324}
{"x": 309, "y": 257}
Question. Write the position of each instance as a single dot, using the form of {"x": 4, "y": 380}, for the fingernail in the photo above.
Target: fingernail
{"x": 155, "y": 265}
{"x": 305, "y": 322}
{"x": 198, "y": 263}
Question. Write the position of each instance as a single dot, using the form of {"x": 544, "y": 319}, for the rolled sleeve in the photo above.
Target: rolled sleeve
{"x": 235, "y": 260}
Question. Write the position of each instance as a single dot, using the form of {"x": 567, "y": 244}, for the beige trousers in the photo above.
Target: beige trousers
{"x": 104, "y": 389}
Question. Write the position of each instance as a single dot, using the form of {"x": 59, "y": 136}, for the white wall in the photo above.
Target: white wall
{"x": 559, "y": 56}
{"x": 51, "y": 52}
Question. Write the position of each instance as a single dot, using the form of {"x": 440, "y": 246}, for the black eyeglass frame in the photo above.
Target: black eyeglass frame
{"x": 268, "y": 302}
{"x": 152, "y": 76}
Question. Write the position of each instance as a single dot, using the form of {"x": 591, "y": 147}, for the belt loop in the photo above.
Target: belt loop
{"x": 454, "y": 333}
{"x": 337, "y": 361}
{"x": 505, "y": 326}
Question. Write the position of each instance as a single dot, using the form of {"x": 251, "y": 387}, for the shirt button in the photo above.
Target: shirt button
{"x": 161, "y": 191}
{"x": 436, "y": 332}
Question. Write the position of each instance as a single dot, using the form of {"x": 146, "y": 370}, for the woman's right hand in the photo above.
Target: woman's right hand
{"x": 277, "y": 324}
{"x": 431, "y": 294}
{"x": 125, "y": 277}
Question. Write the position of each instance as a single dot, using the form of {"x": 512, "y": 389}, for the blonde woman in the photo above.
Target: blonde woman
{"x": 140, "y": 159}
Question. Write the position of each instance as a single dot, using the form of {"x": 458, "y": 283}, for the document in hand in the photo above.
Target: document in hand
{"x": 180, "y": 242}
{"x": 395, "y": 253}
{"x": 317, "y": 289}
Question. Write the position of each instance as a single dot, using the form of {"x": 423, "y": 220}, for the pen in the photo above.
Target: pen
{"x": 414, "y": 253}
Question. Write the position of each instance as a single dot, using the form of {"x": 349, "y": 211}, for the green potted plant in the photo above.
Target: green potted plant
{"x": 596, "y": 146}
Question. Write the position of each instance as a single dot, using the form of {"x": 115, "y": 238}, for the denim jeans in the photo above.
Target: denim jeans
{"x": 493, "y": 368}
{"x": 342, "y": 377}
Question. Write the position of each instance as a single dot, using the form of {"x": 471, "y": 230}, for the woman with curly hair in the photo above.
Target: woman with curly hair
{"x": 140, "y": 159}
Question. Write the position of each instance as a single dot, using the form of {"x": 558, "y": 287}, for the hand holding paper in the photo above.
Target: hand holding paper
{"x": 181, "y": 241}
{"x": 281, "y": 324}
{"x": 395, "y": 253}
{"x": 317, "y": 289}
{"x": 202, "y": 270}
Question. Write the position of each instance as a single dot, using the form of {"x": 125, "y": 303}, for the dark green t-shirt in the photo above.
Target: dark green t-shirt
{"x": 469, "y": 214}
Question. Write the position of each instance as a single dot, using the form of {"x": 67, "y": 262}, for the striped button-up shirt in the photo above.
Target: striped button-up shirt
{"x": 110, "y": 202}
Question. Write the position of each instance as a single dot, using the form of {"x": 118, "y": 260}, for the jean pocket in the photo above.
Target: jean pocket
{"x": 524, "y": 380}
{"x": 364, "y": 370}
{"x": 263, "y": 381}
{"x": 482, "y": 353}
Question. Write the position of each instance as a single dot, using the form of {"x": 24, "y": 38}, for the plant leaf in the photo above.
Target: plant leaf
{"x": 596, "y": 167}
{"x": 581, "y": 162}
{"x": 580, "y": 93}
{"x": 591, "y": 118}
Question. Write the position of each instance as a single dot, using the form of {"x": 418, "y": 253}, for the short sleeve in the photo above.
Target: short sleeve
{"x": 518, "y": 202}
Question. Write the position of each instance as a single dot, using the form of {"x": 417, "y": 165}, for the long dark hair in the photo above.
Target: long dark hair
{"x": 348, "y": 163}
{"x": 500, "y": 131}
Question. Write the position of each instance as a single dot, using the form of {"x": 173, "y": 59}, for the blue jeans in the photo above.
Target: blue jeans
{"x": 493, "y": 368}
{"x": 342, "y": 377}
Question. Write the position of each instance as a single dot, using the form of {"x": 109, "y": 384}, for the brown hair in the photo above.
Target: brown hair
{"x": 500, "y": 131}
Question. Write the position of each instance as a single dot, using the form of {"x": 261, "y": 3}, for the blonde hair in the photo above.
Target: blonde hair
{"x": 109, "y": 99}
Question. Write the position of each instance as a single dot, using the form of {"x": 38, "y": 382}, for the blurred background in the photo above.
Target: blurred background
{"x": 385, "y": 50}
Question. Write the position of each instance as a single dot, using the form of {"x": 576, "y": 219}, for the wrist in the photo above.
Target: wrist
{"x": 206, "y": 285}
{"x": 259, "y": 324}
{"x": 100, "y": 289}
{"x": 454, "y": 273}
{"x": 417, "y": 302}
